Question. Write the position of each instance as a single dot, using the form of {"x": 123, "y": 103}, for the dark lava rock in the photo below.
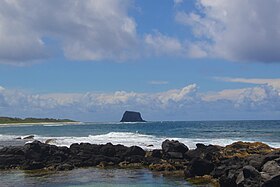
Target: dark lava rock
{"x": 199, "y": 167}
{"x": 230, "y": 169}
{"x": 131, "y": 116}
{"x": 108, "y": 150}
{"x": 156, "y": 153}
{"x": 32, "y": 165}
{"x": 174, "y": 146}
{"x": 30, "y": 137}
{"x": 228, "y": 179}
{"x": 210, "y": 152}
{"x": 134, "y": 150}
{"x": 249, "y": 176}
{"x": 256, "y": 161}
{"x": 271, "y": 167}
{"x": 250, "y": 172}
{"x": 173, "y": 149}
{"x": 274, "y": 182}
{"x": 65, "y": 167}
{"x": 174, "y": 155}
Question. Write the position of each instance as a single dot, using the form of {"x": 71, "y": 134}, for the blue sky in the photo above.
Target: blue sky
{"x": 171, "y": 60}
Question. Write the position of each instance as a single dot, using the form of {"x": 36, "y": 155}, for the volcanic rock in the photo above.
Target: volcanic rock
{"x": 131, "y": 116}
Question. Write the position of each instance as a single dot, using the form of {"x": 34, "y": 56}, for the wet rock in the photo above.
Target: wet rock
{"x": 250, "y": 172}
{"x": 108, "y": 150}
{"x": 271, "y": 168}
{"x": 256, "y": 161}
{"x": 239, "y": 164}
{"x": 199, "y": 167}
{"x": 65, "y": 167}
{"x": 32, "y": 165}
{"x": 273, "y": 182}
{"x": 162, "y": 167}
{"x": 210, "y": 152}
{"x": 156, "y": 153}
{"x": 174, "y": 155}
{"x": 173, "y": 149}
{"x": 174, "y": 146}
{"x": 228, "y": 179}
{"x": 134, "y": 150}
{"x": 30, "y": 137}
{"x": 249, "y": 176}
{"x": 48, "y": 141}
{"x": 204, "y": 181}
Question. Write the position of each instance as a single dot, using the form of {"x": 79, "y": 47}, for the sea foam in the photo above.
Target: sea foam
{"x": 128, "y": 139}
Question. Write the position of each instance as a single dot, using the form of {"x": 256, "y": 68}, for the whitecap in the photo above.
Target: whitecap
{"x": 129, "y": 139}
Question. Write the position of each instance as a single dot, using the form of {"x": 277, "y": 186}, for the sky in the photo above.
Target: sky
{"x": 91, "y": 60}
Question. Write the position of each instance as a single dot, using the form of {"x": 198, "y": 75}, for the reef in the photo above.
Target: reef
{"x": 240, "y": 164}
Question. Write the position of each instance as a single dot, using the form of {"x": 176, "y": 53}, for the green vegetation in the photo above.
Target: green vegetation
{"x": 5, "y": 120}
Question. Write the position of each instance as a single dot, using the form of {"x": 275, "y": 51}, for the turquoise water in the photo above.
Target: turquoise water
{"x": 148, "y": 135}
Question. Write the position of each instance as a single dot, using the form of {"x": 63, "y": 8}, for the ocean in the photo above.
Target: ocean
{"x": 147, "y": 135}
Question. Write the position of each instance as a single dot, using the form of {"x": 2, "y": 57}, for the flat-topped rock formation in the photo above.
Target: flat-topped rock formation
{"x": 237, "y": 165}
{"x": 131, "y": 116}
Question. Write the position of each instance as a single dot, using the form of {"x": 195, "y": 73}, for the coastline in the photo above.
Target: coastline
{"x": 42, "y": 123}
{"x": 237, "y": 164}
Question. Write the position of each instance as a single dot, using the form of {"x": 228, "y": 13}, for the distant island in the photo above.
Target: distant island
{"x": 131, "y": 116}
{"x": 9, "y": 120}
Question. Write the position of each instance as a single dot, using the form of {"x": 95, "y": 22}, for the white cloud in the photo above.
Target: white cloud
{"x": 236, "y": 30}
{"x": 2, "y": 88}
{"x": 271, "y": 82}
{"x": 228, "y": 94}
{"x": 177, "y": 95}
{"x": 85, "y": 30}
{"x": 13, "y": 102}
{"x": 160, "y": 44}
{"x": 259, "y": 98}
{"x": 262, "y": 101}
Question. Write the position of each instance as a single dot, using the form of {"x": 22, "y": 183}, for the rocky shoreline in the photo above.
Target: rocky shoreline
{"x": 239, "y": 164}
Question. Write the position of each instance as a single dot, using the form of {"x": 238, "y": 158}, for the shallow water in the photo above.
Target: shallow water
{"x": 88, "y": 177}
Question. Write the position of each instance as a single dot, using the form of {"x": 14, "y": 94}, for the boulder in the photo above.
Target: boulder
{"x": 29, "y": 137}
{"x": 199, "y": 167}
{"x": 250, "y": 172}
{"x": 173, "y": 146}
{"x": 134, "y": 150}
{"x": 156, "y": 153}
{"x": 228, "y": 179}
{"x": 210, "y": 152}
{"x": 256, "y": 161}
{"x": 249, "y": 176}
{"x": 48, "y": 141}
{"x": 108, "y": 150}
{"x": 131, "y": 116}
{"x": 271, "y": 168}
{"x": 273, "y": 182}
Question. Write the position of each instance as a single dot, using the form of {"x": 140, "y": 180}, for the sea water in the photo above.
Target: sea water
{"x": 147, "y": 135}
{"x": 88, "y": 177}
